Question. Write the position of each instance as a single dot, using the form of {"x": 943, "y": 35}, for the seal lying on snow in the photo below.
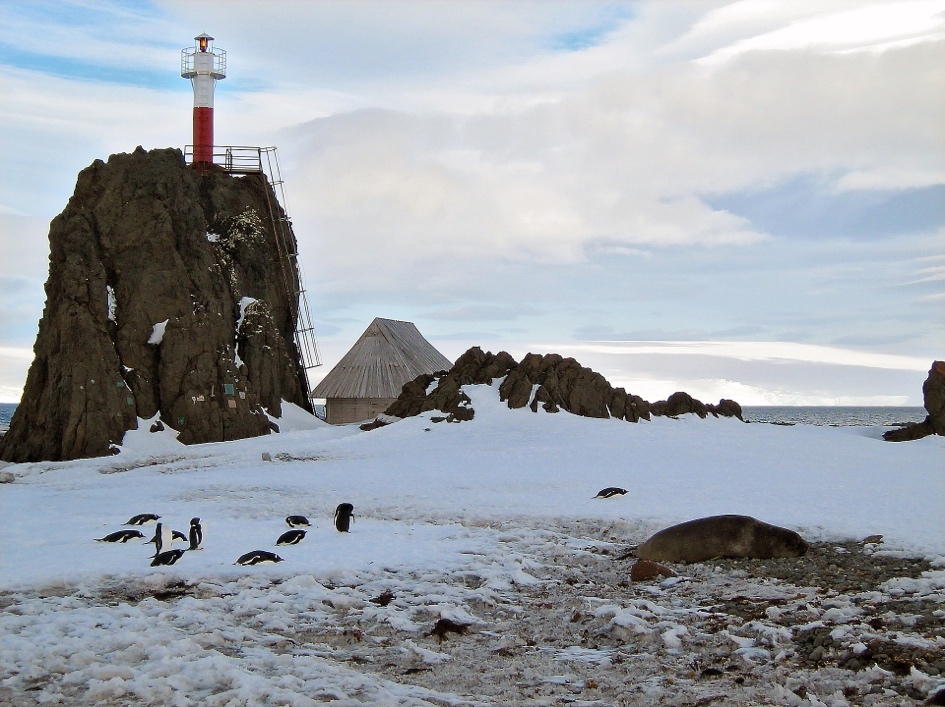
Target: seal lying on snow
{"x": 722, "y": 536}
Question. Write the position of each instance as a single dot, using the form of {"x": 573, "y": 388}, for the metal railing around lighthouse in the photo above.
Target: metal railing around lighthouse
{"x": 241, "y": 159}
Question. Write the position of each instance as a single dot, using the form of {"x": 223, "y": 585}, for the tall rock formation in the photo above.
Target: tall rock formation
{"x": 167, "y": 295}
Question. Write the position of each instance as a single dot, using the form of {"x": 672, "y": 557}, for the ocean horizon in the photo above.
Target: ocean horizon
{"x": 835, "y": 415}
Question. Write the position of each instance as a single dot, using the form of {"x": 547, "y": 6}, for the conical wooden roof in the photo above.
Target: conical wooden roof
{"x": 388, "y": 354}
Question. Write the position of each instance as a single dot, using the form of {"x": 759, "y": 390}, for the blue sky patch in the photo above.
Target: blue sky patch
{"x": 807, "y": 207}
{"x": 64, "y": 67}
{"x": 593, "y": 34}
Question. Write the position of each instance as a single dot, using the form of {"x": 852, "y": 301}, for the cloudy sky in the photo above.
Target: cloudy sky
{"x": 740, "y": 199}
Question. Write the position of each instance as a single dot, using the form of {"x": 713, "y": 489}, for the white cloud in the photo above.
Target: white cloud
{"x": 770, "y": 351}
{"x": 620, "y": 161}
{"x": 711, "y": 390}
{"x": 874, "y": 26}
{"x": 891, "y": 177}
{"x": 932, "y": 274}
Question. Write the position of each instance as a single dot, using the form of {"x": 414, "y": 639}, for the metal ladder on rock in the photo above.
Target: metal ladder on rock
{"x": 305, "y": 341}
{"x": 244, "y": 159}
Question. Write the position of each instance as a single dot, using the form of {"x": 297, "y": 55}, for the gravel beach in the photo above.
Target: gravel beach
{"x": 847, "y": 624}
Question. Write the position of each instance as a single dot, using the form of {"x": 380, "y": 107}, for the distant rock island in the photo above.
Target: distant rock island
{"x": 166, "y": 297}
{"x": 550, "y": 381}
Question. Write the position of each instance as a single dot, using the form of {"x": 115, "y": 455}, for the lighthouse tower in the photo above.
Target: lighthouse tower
{"x": 203, "y": 65}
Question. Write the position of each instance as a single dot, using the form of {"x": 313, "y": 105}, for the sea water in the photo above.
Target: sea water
{"x": 836, "y": 416}
{"x": 6, "y": 413}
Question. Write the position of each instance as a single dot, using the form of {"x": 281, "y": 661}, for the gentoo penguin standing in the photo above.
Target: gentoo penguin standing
{"x": 163, "y": 538}
{"x": 196, "y": 534}
{"x": 142, "y": 519}
{"x": 291, "y": 537}
{"x": 610, "y": 492}
{"x": 344, "y": 513}
{"x": 259, "y": 557}
{"x": 121, "y": 536}
{"x": 297, "y": 521}
{"x": 167, "y": 558}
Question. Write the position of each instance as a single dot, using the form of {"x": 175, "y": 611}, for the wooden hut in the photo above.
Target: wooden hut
{"x": 370, "y": 376}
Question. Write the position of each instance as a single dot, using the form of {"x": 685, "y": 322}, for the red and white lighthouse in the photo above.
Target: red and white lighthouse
{"x": 203, "y": 65}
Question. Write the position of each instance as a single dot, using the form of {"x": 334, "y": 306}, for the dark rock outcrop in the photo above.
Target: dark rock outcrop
{"x": 682, "y": 404}
{"x": 166, "y": 295}
{"x": 550, "y": 381}
{"x": 933, "y": 393}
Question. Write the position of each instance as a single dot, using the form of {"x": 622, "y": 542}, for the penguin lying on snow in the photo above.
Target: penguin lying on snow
{"x": 196, "y": 534}
{"x": 121, "y": 536}
{"x": 297, "y": 521}
{"x": 163, "y": 559}
{"x": 291, "y": 537}
{"x": 142, "y": 519}
{"x": 259, "y": 557}
{"x": 344, "y": 513}
{"x": 610, "y": 492}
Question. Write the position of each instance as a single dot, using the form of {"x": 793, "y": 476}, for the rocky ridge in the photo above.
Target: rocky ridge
{"x": 550, "y": 381}
{"x": 166, "y": 298}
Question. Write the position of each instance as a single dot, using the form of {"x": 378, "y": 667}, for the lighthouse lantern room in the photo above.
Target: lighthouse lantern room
{"x": 203, "y": 65}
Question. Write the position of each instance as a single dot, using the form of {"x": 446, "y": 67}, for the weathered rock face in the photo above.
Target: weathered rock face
{"x": 933, "y": 393}
{"x": 551, "y": 381}
{"x": 166, "y": 295}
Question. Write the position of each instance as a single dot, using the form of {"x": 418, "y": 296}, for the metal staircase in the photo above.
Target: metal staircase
{"x": 265, "y": 161}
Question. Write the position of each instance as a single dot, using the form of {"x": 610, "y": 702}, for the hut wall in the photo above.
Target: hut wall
{"x": 339, "y": 411}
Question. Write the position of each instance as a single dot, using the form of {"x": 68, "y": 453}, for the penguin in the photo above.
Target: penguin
{"x": 121, "y": 536}
{"x": 163, "y": 538}
{"x": 142, "y": 519}
{"x": 291, "y": 537}
{"x": 167, "y": 558}
{"x": 610, "y": 492}
{"x": 259, "y": 557}
{"x": 177, "y": 535}
{"x": 297, "y": 521}
{"x": 196, "y": 534}
{"x": 344, "y": 513}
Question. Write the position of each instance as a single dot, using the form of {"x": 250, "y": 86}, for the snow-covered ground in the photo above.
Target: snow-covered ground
{"x": 459, "y": 521}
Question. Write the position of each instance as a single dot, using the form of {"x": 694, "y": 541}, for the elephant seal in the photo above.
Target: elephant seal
{"x": 722, "y": 536}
